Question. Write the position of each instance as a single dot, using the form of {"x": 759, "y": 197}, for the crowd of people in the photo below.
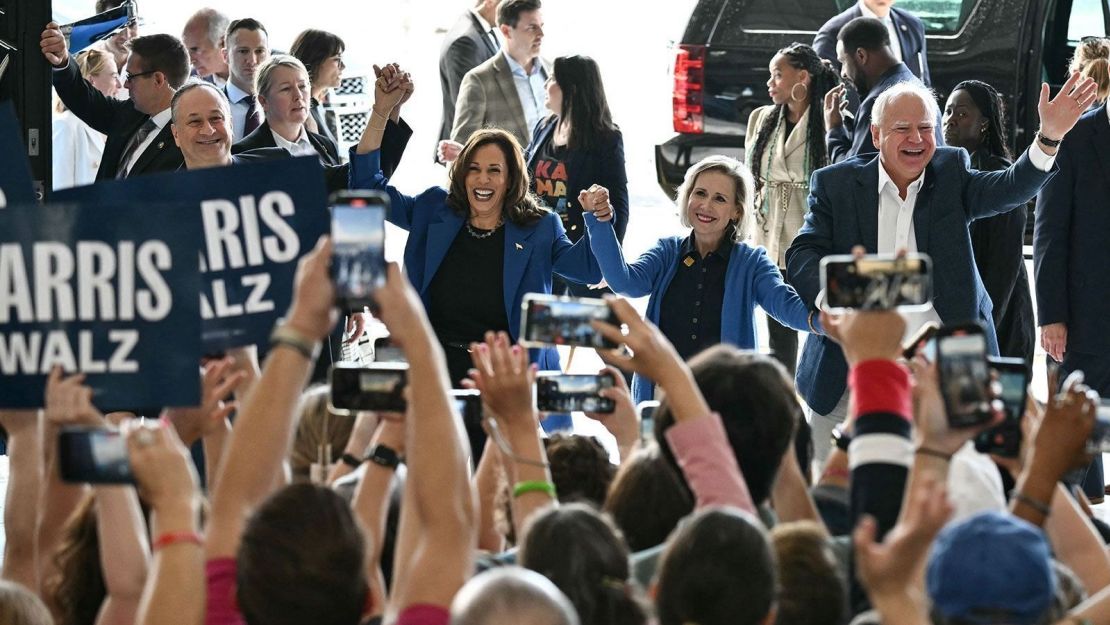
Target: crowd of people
{"x": 737, "y": 503}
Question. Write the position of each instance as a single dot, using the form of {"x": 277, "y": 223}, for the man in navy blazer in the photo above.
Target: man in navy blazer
{"x": 904, "y": 28}
{"x": 921, "y": 198}
{"x": 1070, "y": 258}
{"x": 868, "y": 62}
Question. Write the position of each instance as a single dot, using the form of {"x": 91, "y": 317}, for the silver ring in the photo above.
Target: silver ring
{"x": 144, "y": 438}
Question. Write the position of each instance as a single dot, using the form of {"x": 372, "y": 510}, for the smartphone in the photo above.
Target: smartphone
{"x": 93, "y": 456}
{"x": 358, "y": 247}
{"x": 964, "y": 375}
{"x": 469, "y": 404}
{"x": 877, "y": 282}
{"x": 647, "y": 409}
{"x": 379, "y": 386}
{"x": 1004, "y": 439}
{"x": 920, "y": 342}
{"x": 557, "y": 392}
{"x": 555, "y": 320}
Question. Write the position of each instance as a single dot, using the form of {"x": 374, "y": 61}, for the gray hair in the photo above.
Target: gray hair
{"x": 927, "y": 96}
{"x": 264, "y": 78}
{"x": 194, "y": 83}
{"x": 511, "y": 595}
{"x": 741, "y": 177}
{"x": 215, "y": 22}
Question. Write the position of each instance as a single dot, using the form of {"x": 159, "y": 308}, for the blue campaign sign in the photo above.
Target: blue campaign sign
{"x": 258, "y": 220}
{"x": 108, "y": 291}
{"x": 15, "y": 175}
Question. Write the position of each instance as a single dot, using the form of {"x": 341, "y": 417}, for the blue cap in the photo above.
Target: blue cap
{"x": 991, "y": 568}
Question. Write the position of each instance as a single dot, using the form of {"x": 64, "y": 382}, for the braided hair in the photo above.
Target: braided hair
{"x": 822, "y": 78}
{"x": 990, "y": 106}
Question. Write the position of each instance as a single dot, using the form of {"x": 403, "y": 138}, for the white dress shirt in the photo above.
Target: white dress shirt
{"x": 530, "y": 89}
{"x": 301, "y": 147}
{"x": 160, "y": 120}
{"x": 895, "y": 42}
{"x": 239, "y": 110}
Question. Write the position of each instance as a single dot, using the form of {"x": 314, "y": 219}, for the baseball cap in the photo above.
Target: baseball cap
{"x": 991, "y": 568}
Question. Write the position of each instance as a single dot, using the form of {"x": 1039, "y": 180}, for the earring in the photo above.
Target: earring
{"x": 805, "y": 92}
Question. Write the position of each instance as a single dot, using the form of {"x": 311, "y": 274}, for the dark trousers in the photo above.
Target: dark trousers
{"x": 784, "y": 343}
{"x": 1096, "y": 375}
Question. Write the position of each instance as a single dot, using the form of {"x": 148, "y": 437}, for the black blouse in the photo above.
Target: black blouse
{"x": 690, "y": 313}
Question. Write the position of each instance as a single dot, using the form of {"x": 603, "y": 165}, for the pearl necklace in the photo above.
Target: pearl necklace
{"x": 482, "y": 235}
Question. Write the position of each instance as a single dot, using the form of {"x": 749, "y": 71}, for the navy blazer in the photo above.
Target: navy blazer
{"x": 336, "y": 173}
{"x": 853, "y": 137}
{"x": 603, "y": 164}
{"x": 911, "y": 39}
{"x": 1071, "y": 256}
{"x": 119, "y": 120}
{"x": 843, "y": 203}
{"x": 532, "y": 252}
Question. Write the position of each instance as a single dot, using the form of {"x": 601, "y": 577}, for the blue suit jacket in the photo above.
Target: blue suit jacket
{"x": 532, "y": 253}
{"x": 843, "y": 203}
{"x": 603, "y": 164}
{"x": 751, "y": 278}
{"x": 1071, "y": 256}
{"x": 853, "y": 137}
{"x": 911, "y": 39}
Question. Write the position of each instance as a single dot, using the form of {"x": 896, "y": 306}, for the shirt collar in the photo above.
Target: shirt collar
{"x": 235, "y": 94}
{"x": 869, "y": 13}
{"x": 302, "y": 141}
{"x": 723, "y": 251}
{"x": 161, "y": 118}
{"x": 486, "y": 26}
{"x": 885, "y": 179}
{"x": 518, "y": 69}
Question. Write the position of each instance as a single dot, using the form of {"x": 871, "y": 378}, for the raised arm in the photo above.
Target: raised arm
{"x": 371, "y": 505}
{"x": 573, "y": 261}
{"x": 21, "y": 509}
{"x": 264, "y": 428}
{"x": 778, "y": 298}
{"x": 86, "y": 102}
{"x": 635, "y": 280}
{"x": 124, "y": 553}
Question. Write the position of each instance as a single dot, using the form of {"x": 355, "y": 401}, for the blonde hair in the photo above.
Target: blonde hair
{"x": 1092, "y": 59}
{"x": 19, "y": 606}
{"x": 90, "y": 62}
{"x": 741, "y": 177}
{"x": 265, "y": 76}
{"x": 317, "y": 428}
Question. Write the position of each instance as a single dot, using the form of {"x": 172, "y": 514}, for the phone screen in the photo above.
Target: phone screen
{"x": 568, "y": 393}
{"x": 565, "y": 321}
{"x": 378, "y": 387}
{"x": 876, "y": 283}
{"x": 647, "y": 410}
{"x": 964, "y": 377}
{"x": 93, "y": 456}
{"x": 358, "y": 251}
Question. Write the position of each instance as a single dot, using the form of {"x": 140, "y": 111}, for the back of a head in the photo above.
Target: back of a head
{"x": 317, "y": 428}
{"x": 163, "y": 53}
{"x": 755, "y": 398}
{"x": 19, "y": 606}
{"x": 717, "y": 569}
{"x": 509, "y": 596}
{"x": 812, "y": 592}
{"x": 864, "y": 32}
{"x": 302, "y": 560}
{"x": 1092, "y": 59}
{"x": 580, "y": 468}
{"x": 647, "y": 499}
{"x": 579, "y": 550}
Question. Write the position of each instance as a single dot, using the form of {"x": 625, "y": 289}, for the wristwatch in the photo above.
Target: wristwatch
{"x": 384, "y": 456}
{"x": 1045, "y": 141}
{"x": 841, "y": 438}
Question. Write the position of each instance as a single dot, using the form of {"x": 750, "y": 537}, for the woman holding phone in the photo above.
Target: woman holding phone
{"x": 702, "y": 288}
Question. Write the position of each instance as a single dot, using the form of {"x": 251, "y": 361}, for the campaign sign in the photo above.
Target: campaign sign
{"x": 258, "y": 220}
{"x": 108, "y": 291}
{"x": 15, "y": 175}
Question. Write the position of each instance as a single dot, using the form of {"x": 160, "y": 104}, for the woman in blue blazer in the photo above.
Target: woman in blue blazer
{"x": 704, "y": 287}
{"x": 577, "y": 146}
{"x": 475, "y": 248}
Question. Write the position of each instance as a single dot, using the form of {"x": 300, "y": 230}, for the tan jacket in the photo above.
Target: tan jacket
{"x": 780, "y": 207}
{"x": 488, "y": 99}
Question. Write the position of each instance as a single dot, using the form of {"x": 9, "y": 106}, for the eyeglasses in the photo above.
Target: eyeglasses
{"x": 128, "y": 77}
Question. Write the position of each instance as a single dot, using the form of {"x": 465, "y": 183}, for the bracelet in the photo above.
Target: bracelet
{"x": 1051, "y": 143}
{"x": 809, "y": 320}
{"x": 289, "y": 337}
{"x": 534, "y": 486}
{"x": 350, "y": 460}
{"x": 503, "y": 445}
{"x": 1039, "y": 506}
{"x": 925, "y": 451}
{"x": 174, "y": 538}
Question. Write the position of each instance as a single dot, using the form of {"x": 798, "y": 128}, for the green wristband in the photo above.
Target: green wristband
{"x": 534, "y": 486}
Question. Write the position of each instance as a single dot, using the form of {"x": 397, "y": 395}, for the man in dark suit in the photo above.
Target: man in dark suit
{"x": 1070, "y": 258}
{"x": 902, "y": 27}
{"x": 921, "y": 198}
{"x": 867, "y": 62}
{"x": 471, "y": 41}
{"x": 138, "y": 130}
{"x": 246, "y": 48}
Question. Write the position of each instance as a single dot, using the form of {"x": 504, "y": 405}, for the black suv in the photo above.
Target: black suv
{"x": 720, "y": 70}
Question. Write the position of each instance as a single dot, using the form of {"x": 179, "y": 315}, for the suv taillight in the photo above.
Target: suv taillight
{"x": 689, "y": 80}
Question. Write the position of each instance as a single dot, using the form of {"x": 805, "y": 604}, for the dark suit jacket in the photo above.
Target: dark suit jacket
{"x": 843, "y": 202}
{"x": 911, "y": 39}
{"x": 394, "y": 140}
{"x": 603, "y": 164}
{"x": 853, "y": 137}
{"x": 1071, "y": 255}
{"x": 465, "y": 47}
{"x": 119, "y": 120}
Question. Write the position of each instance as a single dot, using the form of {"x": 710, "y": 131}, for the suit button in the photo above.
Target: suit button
{"x": 574, "y": 227}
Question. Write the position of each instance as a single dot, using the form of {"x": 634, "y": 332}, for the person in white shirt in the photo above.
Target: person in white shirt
{"x": 77, "y": 149}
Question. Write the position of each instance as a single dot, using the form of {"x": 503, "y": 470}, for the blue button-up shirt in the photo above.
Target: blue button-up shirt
{"x": 529, "y": 88}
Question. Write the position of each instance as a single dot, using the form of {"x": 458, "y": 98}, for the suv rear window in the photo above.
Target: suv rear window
{"x": 941, "y": 17}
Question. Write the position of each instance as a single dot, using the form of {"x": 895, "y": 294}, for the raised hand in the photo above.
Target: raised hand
{"x": 1060, "y": 114}
{"x": 313, "y": 309}
{"x": 402, "y": 311}
{"x": 448, "y": 150}
{"x": 1060, "y": 444}
{"x": 53, "y": 44}
{"x": 69, "y": 401}
{"x": 930, "y": 416}
{"x": 388, "y": 88}
{"x": 161, "y": 464}
{"x": 623, "y": 423}
{"x": 866, "y": 335}
{"x": 505, "y": 378}
{"x": 833, "y": 116}
{"x": 220, "y": 379}
{"x": 596, "y": 200}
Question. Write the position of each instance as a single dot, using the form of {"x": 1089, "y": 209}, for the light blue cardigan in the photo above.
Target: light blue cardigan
{"x": 751, "y": 279}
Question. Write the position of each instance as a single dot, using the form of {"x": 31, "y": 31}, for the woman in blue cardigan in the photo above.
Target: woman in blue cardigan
{"x": 704, "y": 287}
{"x": 475, "y": 248}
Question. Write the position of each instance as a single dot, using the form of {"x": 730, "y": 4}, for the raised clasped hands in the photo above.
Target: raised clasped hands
{"x": 596, "y": 200}
{"x": 392, "y": 88}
